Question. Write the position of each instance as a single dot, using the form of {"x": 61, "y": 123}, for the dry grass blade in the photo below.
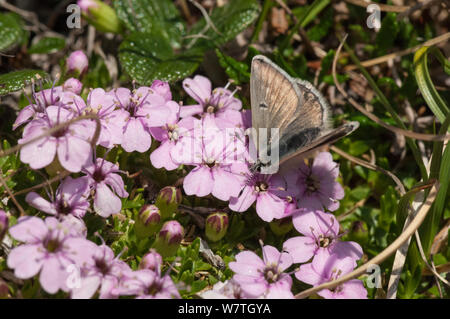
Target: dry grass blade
{"x": 385, "y": 58}
{"x": 373, "y": 117}
{"x": 383, "y": 7}
{"x": 396, "y": 244}
{"x": 8, "y": 190}
{"x": 370, "y": 166}
{"x": 43, "y": 184}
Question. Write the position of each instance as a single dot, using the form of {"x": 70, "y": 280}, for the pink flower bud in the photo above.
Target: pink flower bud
{"x": 152, "y": 260}
{"x": 147, "y": 222}
{"x": 162, "y": 88}
{"x": 85, "y": 5}
{"x": 77, "y": 62}
{"x": 216, "y": 226}
{"x": 168, "y": 200}
{"x": 73, "y": 85}
{"x": 169, "y": 238}
{"x": 4, "y": 222}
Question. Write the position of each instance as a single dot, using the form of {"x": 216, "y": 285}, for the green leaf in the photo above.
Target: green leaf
{"x": 429, "y": 93}
{"x": 236, "y": 70}
{"x": 14, "y": 81}
{"x": 317, "y": 32}
{"x": 147, "y": 57}
{"x": 230, "y": 20}
{"x": 387, "y": 34}
{"x": 48, "y": 45}
{"x": 152, "y": 16}
{"x": 11, "y": 31}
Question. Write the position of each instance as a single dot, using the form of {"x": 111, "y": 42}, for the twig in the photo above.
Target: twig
{"x": 370, "y": 166}
{"x": 387, "y": 57}
{"x": 206, "y": 16}
{"x": 27, "y": 15}
{"x": 43, "y": 184}
{"x": 373, "y": 117}
{"x": 406, "y": 234}
{"x": 418, "y": 6}
{"x": 8, "y": 190}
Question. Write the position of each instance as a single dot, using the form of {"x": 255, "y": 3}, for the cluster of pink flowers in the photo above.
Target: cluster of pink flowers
{"x": 208, "y": 136}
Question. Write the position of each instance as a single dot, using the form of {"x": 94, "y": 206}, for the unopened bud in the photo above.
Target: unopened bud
{"x": 168, "y": 200}
{"x": 169, "y": 238}
{"x": 4, "y": 223}
{"x": 281, "y": 226}
{"x": 152, "y": 260}
{"x": 147, "y": 221}
{"x": 73, "y": 85}
{"x": 162, "y": 88}
{"x": 216, "y": 226}
{"x": 77, "y": 62}
{"x": 100, "y": 15}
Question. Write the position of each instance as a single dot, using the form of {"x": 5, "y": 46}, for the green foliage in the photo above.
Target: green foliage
{"x": 237, "y": 71}
{"x": 11, "y": 31}
{"x": 47, "y": 45}
{"x": 147, "y": 53}
{"x": 15, "y": 81}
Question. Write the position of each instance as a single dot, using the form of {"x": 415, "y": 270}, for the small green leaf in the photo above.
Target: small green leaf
{"x": 147, "y": 57}
{"x": 14, "y": 81}
{"x": 387, "y": 34}
{"x": 11, "y": 31}
{"x": 236, "y": 70}
{"x": 47, "y": 45}
{"x": 230, "y": 20}
{"x": 152, "y": 16}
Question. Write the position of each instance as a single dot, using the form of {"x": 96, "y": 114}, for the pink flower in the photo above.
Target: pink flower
{"x": 148, "y": 284}
{"x": 112, "y": 120}
{"x": 316, "y": 185}
{"x": 146, "y": 109}
{"x": 100, "y": 175}
{"x": 162, "y": 88}
{"x": 77, "y": 61}
{"x": 209, "y": 151}
{"x": 218, "y": 103}
{"x": 267, "y": 191}
{"x": 229, "y": 289}
{"x": 49, "y": 248}
{"x": 168, "y": 136}
{"x": 327, "y": 267}
{"x": 263, "y": 278}
{"x": 85, "y": 5}
{"x": 103, "y": 271}
{"x": 71, "y": 143}
{"x": 321, "y": 232}
{"x": 71, "y": 198}
{"x": 73, "y": 85}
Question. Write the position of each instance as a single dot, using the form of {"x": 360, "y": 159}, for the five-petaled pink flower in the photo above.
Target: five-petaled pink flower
{"x": 49, "y": 247}
{"x": 263, "y": 277}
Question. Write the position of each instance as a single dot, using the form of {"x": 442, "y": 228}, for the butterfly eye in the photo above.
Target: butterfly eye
{"x": 263, "y": 105}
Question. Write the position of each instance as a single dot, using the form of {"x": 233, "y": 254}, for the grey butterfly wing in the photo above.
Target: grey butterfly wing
{"x": 274, "y": 95}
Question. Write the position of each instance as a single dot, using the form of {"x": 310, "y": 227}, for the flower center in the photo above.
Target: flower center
{"x": 271, "y": 273}
{"x": 102, "y": 266}
{"x": 52, "y": 245}
{"x": 312, "y": 184}
{"x": 210, "y": 162}
{"x": 60, "y": 132}
{"x": 98, "y": 175}
{"x": 172, "y": 131}
{"x": 325, "y": 241}
{"x": 64, "y": 207}
{"x": 261, "y": 186}
{"x": 154, "y": 288}
{"x": 210, "y": 109}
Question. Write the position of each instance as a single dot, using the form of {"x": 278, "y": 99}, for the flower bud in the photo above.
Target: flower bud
{"x": 77, "y": 62}
{"x": 168, "y": 200}
{"x": 162, "y": 88}
{"x": 100, "y": 15}
{"x": 359, "y": 232}
{"x": 152, "y": 260}
{"x": 216, "y": 226}
{"x": 281, "y": 226}
{"x": 4, "y": 222}
{"x": 73, "y": 85}
{"x": 147, "y": 222}
{"x": 169, "y": 238}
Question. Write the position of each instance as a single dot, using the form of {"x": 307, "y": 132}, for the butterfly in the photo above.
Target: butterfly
{"x": 296, "y": 109}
